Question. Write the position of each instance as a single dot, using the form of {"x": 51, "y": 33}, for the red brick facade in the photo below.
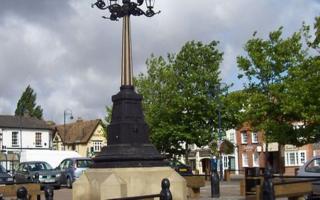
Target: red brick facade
{"x": 251, "y": 152}
{"x": 250, "y": 147}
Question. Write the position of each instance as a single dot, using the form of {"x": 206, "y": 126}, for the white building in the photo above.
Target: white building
{"x": 199, "y": 158}
{"x": 21, "y": 133}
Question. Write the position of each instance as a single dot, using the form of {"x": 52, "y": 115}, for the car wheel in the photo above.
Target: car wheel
{"x": 69, "y": 182}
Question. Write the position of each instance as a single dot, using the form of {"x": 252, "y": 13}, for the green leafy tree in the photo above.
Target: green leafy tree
{"x": 313, "y": 41}
{"x": 107, "y": 120}
{"x": 179, "y": 97}
{"x": 282, "y": 79}
{"x": 27, "y": 104}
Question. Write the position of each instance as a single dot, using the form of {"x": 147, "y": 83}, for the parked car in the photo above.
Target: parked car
{"x": 312, "y": 168}
{"x": 5, "y": 177}
{"x": 37, "y": 171}
{"x": 181, "y": 168}
{"x": 72, "y": 168}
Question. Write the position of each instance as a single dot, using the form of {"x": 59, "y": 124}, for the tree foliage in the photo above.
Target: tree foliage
{"x": 107, "y": 120}
{"x": 283, "y": 80}
{"x": 179, "y": 96}
{"x": 27, "y": 104}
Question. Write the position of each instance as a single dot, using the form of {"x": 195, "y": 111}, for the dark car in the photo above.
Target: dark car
{"x": 5, "y": 178}
{"x": 37, "y": 171}
{"x": 72, "y": 168}
{"x": 181, "y": 168}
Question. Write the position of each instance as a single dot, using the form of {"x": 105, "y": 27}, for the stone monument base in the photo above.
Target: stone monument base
{"x": 107, "y": 183}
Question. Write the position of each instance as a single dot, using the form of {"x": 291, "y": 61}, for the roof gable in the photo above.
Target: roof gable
{"x": 77, "y": 132}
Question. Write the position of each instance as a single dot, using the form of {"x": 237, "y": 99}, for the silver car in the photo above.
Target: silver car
{"x": 72, "y": 168}
{"x": 37, "y": 171}
{"x": 312, "y": 169}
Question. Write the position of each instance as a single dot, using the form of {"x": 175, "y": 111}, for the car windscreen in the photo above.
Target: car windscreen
{"x": 84, "y": 163}
{"x": 39, "y": 166}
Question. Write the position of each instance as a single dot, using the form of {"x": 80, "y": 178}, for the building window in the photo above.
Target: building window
{"x": 245, "y": 160}
{"x": 254, "y": 137}
{"x": 255, "y": 158}
{"x": 225, "y": 162}
{"x": 97, "y": 146}
{"x": 295, "y": 158}
{"x": 244, "y": 138}
{"x": 231, "y": 137}
{"x": 302, "y": 157}
{"x": 38, "y": 140}
{"x": 15, "y": 139}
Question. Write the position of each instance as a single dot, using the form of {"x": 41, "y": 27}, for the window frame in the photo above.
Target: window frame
{"x": 15, "y": 137}
{"x": 254, "y": 137}
{"x": 255, "y": 160}
{"x": 38, "y": 139}
{"x": 295, "y": 158}
{"x": 245, "y": 160}
{"x": 244, "y": 138}
{"x": 97, "y": 145}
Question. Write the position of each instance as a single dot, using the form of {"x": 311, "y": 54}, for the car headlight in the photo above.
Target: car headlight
{"x": 58, "y": 175}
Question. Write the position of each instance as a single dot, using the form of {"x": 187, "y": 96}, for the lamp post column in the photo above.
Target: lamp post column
{"x": 64, "y": 130}
{"x": 220, "y": 141}
{"x": 126, "y": 62}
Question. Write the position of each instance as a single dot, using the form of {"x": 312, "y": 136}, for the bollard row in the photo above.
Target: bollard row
{"x": 22, "y": 193}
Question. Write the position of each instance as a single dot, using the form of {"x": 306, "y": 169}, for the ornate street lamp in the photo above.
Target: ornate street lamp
{"x": 128, "y": 137}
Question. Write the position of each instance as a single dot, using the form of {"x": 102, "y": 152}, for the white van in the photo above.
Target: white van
{"x": 52, "y": 157}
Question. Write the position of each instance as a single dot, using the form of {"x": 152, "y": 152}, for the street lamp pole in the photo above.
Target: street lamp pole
{"x": 219, "y": 89}
{"x": 220, "y": 139}
{"x": 66, "y": 112}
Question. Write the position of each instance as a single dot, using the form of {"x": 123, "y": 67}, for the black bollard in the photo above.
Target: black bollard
{"x": 22, "y": 193}
{"x": 165, "y": 193}
{"x": 268, "y": 189}
{"x": 48, "y": 193}
{"x": 214, "y": 179}
{"x": 215, "y": 184}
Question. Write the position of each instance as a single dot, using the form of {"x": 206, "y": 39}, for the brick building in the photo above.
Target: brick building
{"x": 251, "y": 152}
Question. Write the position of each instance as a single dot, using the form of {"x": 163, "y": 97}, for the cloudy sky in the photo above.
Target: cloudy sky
{"x": 71, "y": 56}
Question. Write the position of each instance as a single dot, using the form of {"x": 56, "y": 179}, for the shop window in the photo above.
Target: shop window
{"x": 245, "y": 162}
{"x": 255, "y": 158}
{"x": 295, "y": 158}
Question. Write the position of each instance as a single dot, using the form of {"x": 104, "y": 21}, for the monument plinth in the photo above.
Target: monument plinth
{"x": 129, "y": 165}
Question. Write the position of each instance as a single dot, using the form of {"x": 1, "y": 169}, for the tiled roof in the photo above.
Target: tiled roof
{"x": 77, "y": 132}
{"x": 9, "y": 121}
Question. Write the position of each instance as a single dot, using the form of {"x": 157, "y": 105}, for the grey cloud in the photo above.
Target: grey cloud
{"x": 71, "y": 56}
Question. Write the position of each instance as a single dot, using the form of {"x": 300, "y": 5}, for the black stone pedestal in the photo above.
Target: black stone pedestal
{"x": 128, "y": 135}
